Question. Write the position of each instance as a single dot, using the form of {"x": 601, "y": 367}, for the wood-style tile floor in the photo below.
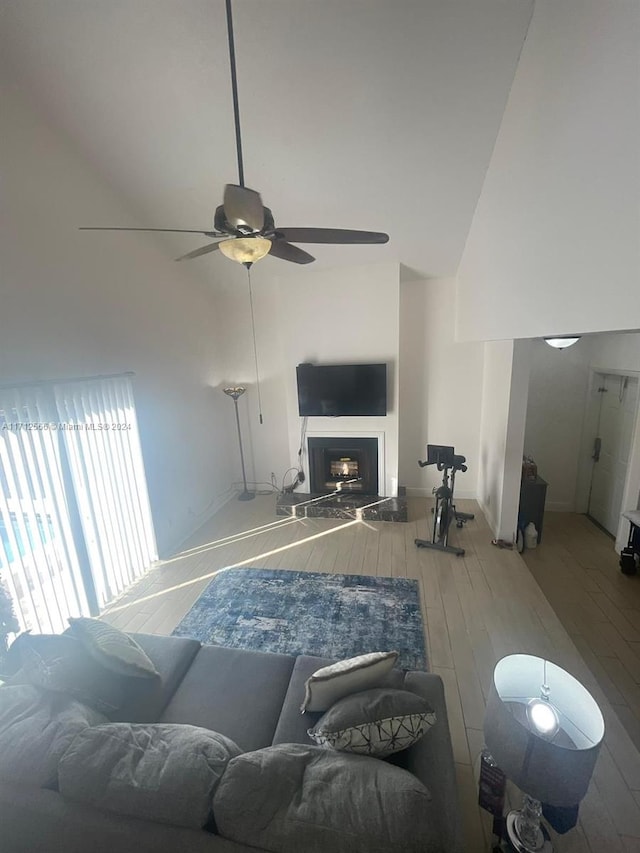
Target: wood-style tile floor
{"x": 579, "y": 573}
{"x": 476, "y": 609}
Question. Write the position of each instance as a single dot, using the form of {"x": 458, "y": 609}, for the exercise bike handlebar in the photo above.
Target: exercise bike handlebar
{"x": 458, "y": 464}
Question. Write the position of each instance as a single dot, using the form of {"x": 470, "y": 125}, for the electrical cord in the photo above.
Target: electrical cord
{"x": 288, "y": 489}
{"x": 212, "y": 502}
{"x": 301, "y": 448}
{"x": 270, "y": 490}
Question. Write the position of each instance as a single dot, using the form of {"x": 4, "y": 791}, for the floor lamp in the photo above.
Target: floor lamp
{"x": 234, "y": 393}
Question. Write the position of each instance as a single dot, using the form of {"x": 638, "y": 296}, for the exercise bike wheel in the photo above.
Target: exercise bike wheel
{"x": 442, "y": 520}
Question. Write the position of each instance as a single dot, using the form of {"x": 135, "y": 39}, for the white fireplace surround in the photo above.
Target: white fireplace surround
{"x": 385, "y": 489}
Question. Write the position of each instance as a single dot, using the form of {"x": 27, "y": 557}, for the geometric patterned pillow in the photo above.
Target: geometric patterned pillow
{"x": 374, "y": 722}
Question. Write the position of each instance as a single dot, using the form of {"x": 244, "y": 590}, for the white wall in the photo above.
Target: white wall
{"x": 558, "y": 386}
{"x": 502, "y": 423}
{"x": 265, "y": 444}
{"x": 435, "y": 384}
{"x": 440, "y": 386}
{"x": 554, "y": 246}
{"x": 74, "y": 304}
{"x": 516, "y": 420}
{"x": 342, "y": 315}
{"x": 496, "y": 383}
{"x": 561, "y": 425}
{"x": 619, "y": 353}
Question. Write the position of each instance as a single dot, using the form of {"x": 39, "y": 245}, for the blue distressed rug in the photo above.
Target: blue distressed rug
{"x": 294, "y": 613}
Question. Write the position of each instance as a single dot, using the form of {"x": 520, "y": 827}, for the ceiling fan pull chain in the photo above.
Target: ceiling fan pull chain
{"x": 255, "y": 349}
{"x": 234, "y": 90}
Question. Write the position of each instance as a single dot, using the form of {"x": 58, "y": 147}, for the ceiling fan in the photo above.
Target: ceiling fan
{"x": 243, "y": 227}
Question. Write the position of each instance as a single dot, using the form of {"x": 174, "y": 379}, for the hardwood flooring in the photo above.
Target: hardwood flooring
{"x": 476, "y": 609}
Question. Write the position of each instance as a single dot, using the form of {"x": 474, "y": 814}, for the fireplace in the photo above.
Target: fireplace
{"x": 343, "y": 464}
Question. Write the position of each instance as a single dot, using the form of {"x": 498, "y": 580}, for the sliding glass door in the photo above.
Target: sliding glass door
{"x": 75, "y": 521}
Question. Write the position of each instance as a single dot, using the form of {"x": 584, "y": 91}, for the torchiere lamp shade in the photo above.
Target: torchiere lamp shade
{"x": 548, "y": 755}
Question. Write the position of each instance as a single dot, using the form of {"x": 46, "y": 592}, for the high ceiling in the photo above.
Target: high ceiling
{"x": 372, "y": 114}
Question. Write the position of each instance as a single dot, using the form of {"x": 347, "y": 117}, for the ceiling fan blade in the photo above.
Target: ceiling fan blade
{"x": 243, "y": 206}
{"x": 171, "y": 230}
{"x": 203, "y": 250}
{"x": 331, "y": 235}
{"x": 284, "y": 250}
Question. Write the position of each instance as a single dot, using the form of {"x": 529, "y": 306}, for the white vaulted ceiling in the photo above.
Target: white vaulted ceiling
{"x": 371, "y": 114}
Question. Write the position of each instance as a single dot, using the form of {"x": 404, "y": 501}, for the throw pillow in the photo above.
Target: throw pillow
{"x": 112, "y": 648}
{"x": 161, "y": 772}
{"x": 292, "y": 797}
{"x": 60, "y": 663}
{"x": 374, "y": 722}
{"x": 36, "y": 727}
{"x": 332, "y": 682}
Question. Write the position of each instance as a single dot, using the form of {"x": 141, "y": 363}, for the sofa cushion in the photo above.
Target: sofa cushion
{"x": 165, "y": 773}
{"x": 233, "y": 691}
{"x": 63, "y": 826}
{"x": 339, "y": 679}
{"x": 290, "y": 797}
{"x": 146, "y": 698}
{"x": 60, "y": 662}
{"x": 374, "y": 722}
{"x": 36, "y": 727}
{"x": 112, "y": 648}
{"x": 292, "y": 725}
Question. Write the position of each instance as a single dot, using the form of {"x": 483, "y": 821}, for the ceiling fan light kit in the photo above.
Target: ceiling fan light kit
{"x": 245, "y": 226}
{"x": 245, "y": 250}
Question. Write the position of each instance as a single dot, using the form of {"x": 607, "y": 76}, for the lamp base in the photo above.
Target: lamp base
{"x": 246, "y": 496}
{"x": 543, "y": 841}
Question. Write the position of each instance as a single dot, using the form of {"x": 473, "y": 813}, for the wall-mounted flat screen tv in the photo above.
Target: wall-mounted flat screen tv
{"x": 341, "y": 390}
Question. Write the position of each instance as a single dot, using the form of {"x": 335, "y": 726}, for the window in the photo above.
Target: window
{"x": 75, "y": 521}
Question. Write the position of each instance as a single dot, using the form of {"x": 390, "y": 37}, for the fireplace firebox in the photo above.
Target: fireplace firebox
{"x": 343, "y": 464}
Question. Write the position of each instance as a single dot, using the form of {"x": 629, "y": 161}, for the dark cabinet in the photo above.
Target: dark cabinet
{"x": 533, "y": 494}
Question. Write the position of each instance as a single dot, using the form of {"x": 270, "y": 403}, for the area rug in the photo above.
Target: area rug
{"x": 294, "y": 613}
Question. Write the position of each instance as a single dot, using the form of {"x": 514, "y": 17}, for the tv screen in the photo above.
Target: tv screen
{"x": 339, "y": 390}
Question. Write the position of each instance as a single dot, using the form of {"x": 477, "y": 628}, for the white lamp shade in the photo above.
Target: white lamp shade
{"x": 245, "y": 250}
{"x": 552, "y": 764}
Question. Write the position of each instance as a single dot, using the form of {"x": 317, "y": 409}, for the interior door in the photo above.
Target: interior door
{"x": 616, "y": 399}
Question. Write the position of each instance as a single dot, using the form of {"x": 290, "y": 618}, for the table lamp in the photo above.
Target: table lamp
{"x": 544, "y": 730}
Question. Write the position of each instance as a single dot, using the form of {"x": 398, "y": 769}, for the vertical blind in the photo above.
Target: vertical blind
{"x": 75, "y": 521}
{"x": 38, "y": 557}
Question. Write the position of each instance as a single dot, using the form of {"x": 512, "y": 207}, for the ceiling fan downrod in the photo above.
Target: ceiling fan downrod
{"x": 234, "y": 92}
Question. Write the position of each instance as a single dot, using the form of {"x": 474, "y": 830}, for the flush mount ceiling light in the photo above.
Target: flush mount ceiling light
{"x": 558, "y": 342}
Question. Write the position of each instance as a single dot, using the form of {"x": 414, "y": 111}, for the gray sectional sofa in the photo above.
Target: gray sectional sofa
{"x": 253, "y": 698}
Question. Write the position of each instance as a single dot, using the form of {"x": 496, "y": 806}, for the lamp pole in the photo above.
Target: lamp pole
{"x": 235, "y": 392}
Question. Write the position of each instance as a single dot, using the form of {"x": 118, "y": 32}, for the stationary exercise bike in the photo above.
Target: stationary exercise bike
{"x": 444, "y": 512}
